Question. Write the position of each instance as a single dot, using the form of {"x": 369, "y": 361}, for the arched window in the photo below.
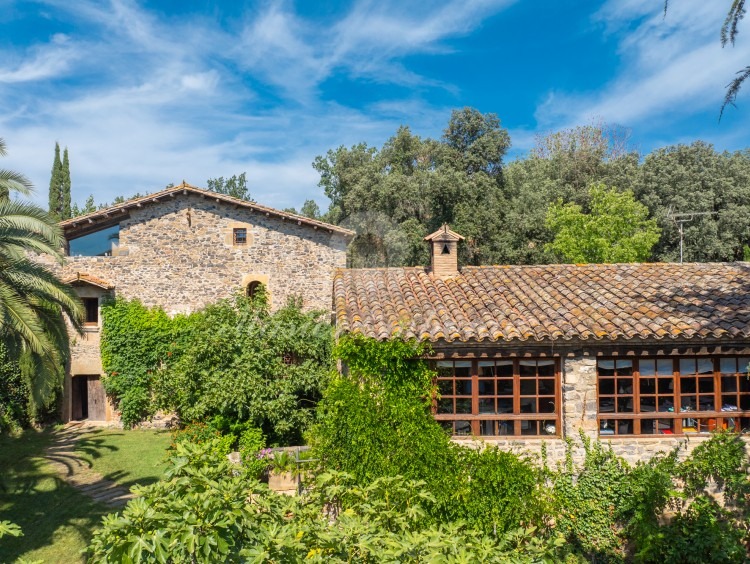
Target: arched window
{"x": 253, "y": 288}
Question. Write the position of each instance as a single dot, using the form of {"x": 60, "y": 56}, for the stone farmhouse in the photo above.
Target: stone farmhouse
{"x": 181, "y": 249}
{"x": 643, "y": 354}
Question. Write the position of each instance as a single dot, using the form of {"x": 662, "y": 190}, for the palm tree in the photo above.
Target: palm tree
{"x": 32, "y": 299}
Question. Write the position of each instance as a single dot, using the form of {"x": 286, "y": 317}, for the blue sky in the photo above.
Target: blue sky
{"x": 147, "y": 93}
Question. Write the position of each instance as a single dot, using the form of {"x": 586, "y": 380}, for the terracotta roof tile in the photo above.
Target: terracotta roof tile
{"x": 548, "y": 303}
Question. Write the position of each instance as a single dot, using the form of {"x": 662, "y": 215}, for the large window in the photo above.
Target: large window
{"x": 673, "y": 395}
{"x": 490, "y": 398}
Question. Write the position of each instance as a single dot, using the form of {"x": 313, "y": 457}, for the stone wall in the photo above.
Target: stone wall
{"x": 179, "y": 254}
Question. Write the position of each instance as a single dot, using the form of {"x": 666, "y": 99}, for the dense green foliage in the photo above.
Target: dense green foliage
{"x": 617, "y": 229}
{"x": 234, "y": 359}
{"x": 14, "y": 395}
{"x": 206, "y": 511}
{"x": 375, "y": 421}
{"x": 395, "y": 195}
{"x": 235, "y": 186}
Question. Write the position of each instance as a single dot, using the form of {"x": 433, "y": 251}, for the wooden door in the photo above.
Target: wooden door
{"x": 79, "y": 397}
{"x": 97, "y": 399}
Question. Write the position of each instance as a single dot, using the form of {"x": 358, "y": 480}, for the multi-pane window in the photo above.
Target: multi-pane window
{"x": 239, "y": 236}
{"x": 673, "y": 395}
{"x": 498, "y": 397}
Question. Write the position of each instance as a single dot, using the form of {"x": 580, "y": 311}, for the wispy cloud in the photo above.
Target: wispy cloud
{"x": 43, "y": 62}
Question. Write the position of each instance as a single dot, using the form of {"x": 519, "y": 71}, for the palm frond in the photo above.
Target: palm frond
{"x": 729, "y": 28}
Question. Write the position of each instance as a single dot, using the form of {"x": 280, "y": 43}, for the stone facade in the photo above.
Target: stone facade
{"x": 180, "y": 253}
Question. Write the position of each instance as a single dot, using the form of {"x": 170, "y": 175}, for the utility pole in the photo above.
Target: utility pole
{"x": 680, "y": 219}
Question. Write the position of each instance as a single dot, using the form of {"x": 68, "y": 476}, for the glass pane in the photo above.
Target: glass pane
{"x": 463, "y": 387}
{"x": 687, "y": 366}
{"x": 648, "y": 385}
{"x": 445, "y": 405}
{"x": 486, "y": 428}
{"x": 462, "y": 369}
{"x": 624, "y": 385}
{"x": 648, "y": 426}
{"x": 486, "y": 387}
{"x": 742, "y": 425}
{"x": 546, "y": 405}
{"x": 504, "y": 367}
{"x": 447, "y": 426}
{"x": 547, "y": 387}
{"x": 666, "y": 385}
{"x": 706, "y": 403}
{"x": 527, "y": 368}
{"x": 625, "y": 427}
{"x": 463, "y": 406}
{"x": 665, "y": 426}
{"x": 445, "y": 387}
{"x": 666, "y": 403}
{"x": 664, "y": 367}
{"x": 742, "y": 364}
{"x": 546, "y": 367}
{"x": 744, "y": 384}
{"x": 648, "y": 404}
{"x": 624, "y": 367}
{"x": 528, "y": 387}
{"x": 705, "y": 366}
{"x": 505, "y": 428}
{"x": 728, "y": 365}
{"x": 606, "y": 405}
{"x": 549, "y": 427}
{"x": 729, "y": 383}
{"x": 624, "y": 405}
{"x": 729, "y": 403}
{"x": 607, "y": 386}
{"x": 529, "y": 427}
{"x": 605, "y": 367}
{"x": 687, "y": 385}
{"x": 445, "y": 368}
{"x": 505, "y": 387}
{"x": 486, "y": 368}
{"x": 528, "y": 405}
{"x": 462, "y": 428}
{"x": 505, "y": 405}
{"x": 607, "y": 427}
{"x": 688, "y": 403}
{"x": 745, "y": 403}
{"x": 486, "y": 406}
{"x": 705, "y": 385}
{"x": 647, "y": 367}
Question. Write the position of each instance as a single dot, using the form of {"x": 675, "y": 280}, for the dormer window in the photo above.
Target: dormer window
{"x": 239, "y": 236}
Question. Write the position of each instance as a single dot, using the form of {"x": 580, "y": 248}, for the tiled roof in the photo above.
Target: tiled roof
{"x": 547, "y": 303}
{"x": 106, "y": 213}
{"x": 89, "y": 279}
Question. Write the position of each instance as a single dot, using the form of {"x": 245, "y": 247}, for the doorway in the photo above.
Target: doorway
{"x": 88, "y": 398}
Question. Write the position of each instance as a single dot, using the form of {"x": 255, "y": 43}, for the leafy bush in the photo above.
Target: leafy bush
{"x": 234, "y": 361}
{"x": 14, "y": 396}
{"x": 204, "y": 511}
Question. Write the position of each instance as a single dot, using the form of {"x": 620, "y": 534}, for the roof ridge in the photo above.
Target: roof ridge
{"x": 185, "y": 187}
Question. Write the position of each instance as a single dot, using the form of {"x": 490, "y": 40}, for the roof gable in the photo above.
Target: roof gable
{"x": 107, "y": 216}
{"x": 548, "y": 303}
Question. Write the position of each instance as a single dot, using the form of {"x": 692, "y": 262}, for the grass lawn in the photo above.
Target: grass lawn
{"x": 126, "y": 457}
{"x": 56, "y": 519}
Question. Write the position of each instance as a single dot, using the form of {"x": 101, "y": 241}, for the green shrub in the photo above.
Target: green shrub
{"x": 375, "y": 422}
{"x": 205, "y": 511}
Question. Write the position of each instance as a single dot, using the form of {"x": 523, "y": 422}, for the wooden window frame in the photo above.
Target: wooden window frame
{"x": 91, "y": 305}
{"x": 239, "y": 236}
{"x": 514, "y": 424}
{"x": 689, "y": 413}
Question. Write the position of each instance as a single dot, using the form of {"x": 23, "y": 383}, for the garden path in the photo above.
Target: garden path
{"x": 64, "y": 459}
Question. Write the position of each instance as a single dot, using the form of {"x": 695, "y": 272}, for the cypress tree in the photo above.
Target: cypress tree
{"x": 55, "y": 185}
{"x": 65, "y": 188}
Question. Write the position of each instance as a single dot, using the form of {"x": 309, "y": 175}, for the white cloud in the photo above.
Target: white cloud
{"x": 671, "y": 65}
{"x": 43, "y": 62}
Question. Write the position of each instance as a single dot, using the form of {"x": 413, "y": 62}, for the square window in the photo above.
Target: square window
{"x": 239, "y": 236}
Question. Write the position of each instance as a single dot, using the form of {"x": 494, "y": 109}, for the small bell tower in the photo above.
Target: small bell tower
{"x": 444, "y": 252}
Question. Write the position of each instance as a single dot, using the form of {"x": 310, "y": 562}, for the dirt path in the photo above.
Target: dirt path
{"x": 76, "y": 471}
